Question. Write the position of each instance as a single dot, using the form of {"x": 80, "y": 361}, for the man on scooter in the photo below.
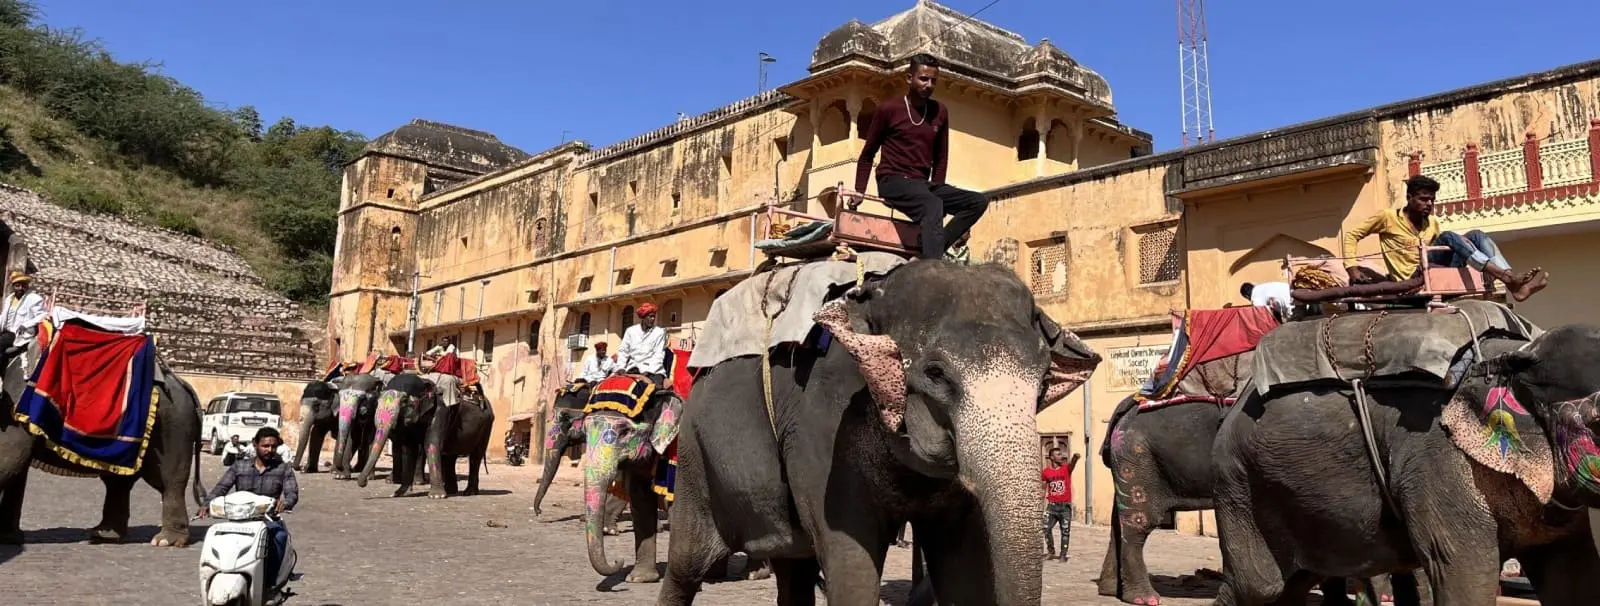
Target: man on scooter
{"x": 268, "y": 475}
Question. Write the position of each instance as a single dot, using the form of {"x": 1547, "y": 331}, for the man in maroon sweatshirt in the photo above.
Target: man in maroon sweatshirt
{"x": 914, "y": 133}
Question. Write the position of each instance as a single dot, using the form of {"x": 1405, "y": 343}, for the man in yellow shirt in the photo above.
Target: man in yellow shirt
{"x": 1402, "y": 231}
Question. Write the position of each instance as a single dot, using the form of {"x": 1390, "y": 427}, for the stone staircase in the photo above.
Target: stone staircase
{"x": 208, "y": 311}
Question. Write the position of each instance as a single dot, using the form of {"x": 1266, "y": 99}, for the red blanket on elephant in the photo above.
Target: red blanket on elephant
{"x": 92, "y": 398}
{"x": 1203, "y": 335}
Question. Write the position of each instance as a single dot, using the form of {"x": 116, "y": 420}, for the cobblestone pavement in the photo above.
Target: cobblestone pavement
{"x": 360, "y": 547}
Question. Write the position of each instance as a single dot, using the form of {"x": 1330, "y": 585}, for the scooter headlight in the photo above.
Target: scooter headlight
{"x": 235, "y": 512}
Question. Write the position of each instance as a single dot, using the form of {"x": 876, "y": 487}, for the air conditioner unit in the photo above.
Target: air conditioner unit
{"x": 577, "y": 341}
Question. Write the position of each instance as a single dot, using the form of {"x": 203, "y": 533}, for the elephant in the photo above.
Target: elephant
{"x": 172, "y": 456}
{"x": 358, "y": 399}
{"x": 410, "y": 411}
{"x": 917, "y": 402}
{"x": 1160, "y": 462}
{"x": 627, "y": 445}
{"x": 1500, "y": 466}
{"x": 319, "y": 420}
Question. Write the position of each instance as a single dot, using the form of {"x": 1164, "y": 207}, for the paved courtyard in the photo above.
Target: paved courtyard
{"x": 360, "y": 547}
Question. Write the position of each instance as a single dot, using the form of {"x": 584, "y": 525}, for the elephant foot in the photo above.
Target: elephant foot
{"x": 438, "y": 493}
{"x": 1151, "y": 600}
{"x": 644, "y": 575}
{"x": 170, "y": 538}
{"x": 401, "y": 491}
{"x": 760, "y": 574}
{"x": 609, "y": 531}
{"x": 102, "y": 534}
{"x": 472, "y": 491}
{"x": 11, "y": 537}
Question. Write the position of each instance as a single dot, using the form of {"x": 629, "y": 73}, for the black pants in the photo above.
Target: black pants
{"x": 927, "y": 204}
{"x": 1058, "y": 513}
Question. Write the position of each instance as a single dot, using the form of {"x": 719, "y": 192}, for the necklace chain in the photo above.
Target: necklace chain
{"x": 913, "y": 119}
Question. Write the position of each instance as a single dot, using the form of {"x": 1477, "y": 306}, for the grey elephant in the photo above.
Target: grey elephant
{"x": 917, "y": 403}
{"x": 355, "y": 422}
{"x": 319, "y": 420}
{"x": 1159, "y": 454}
{"x": 410, "y": 411}
{"x": 172, "y": 456}
{"x": 1456, "y": 479}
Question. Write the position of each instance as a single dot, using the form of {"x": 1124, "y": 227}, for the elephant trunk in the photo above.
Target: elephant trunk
{"x": 383, "y": 420}
{"x": 600, "y": 460}
{"x": 343, "y": 448}
{"x": 308, "y": 415}
{"x": 552, "y": 462}
{"x": 996, "y": 449}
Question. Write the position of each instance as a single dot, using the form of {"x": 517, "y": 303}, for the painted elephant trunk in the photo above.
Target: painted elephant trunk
{"x": 343, "y": 447}
{"x": 384, "y": 420}
{"x": 595, "y": 484}
{"x": 552, "y": 463}
{"x": 999, "y": 464}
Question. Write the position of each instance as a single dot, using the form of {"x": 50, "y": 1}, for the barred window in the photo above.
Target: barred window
{"x": 1048, "y": 269}
{"x": 1160, "y": 259}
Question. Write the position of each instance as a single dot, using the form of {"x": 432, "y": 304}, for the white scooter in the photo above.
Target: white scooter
{"x": 233, "y": 558}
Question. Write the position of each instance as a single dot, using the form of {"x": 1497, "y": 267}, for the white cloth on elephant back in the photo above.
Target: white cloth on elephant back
{"x": 736, "y": 326}
{"x": 128, "y": 326}
{"x": 448, "y": 386}
{"x": 1402, "y": 342}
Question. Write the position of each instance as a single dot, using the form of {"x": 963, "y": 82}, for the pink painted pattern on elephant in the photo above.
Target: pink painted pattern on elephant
{"x": 388, "y": 407}
{"x": 878, "y": 357}
{"x": 347, "y": 406}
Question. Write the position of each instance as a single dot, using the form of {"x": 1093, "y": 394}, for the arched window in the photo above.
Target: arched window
{"x": 583, "y": 323}
{"x": 671, "y": 314}
{"x": 1028, "y": 141}
{"x": 627, "y": 316}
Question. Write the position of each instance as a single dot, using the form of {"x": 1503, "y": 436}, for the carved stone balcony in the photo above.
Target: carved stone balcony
{"x": 1538, "y": 176}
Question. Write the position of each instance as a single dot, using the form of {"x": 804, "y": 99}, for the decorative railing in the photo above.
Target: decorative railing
{"x": 1536, "y": 171}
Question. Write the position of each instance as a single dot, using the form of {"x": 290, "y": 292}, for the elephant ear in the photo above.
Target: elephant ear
{"x": 1486, "y": 421}
{"x": 878, "y": 357}
{"x": 1072, "y": 361}
{"x": 666, "y": 428}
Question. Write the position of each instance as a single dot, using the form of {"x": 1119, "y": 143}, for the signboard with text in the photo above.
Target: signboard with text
{"x": 1132, "y": 366}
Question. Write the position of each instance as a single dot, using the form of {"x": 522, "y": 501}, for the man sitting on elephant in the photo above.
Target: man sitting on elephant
{"x": 644, "y": 347}
{"x": 24, "y": 310}
{"x": 1402, "y": 231}
{"x": 598, "y": 366}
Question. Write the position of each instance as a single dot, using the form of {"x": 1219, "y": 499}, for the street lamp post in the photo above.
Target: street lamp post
{"x": 761, "y": 78}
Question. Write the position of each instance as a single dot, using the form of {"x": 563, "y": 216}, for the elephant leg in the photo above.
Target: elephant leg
{"x": 1133, "y": 532}
{"x": 475, "y": 457}
{"x": 643, "y": 495}
{"x": 174, "y": 512}
{"x": 113, "y": 526}
{"x": 1404, "y": 590}
{"x": 797, "y": 581}
{"x": 954, "y": 548}
{"x": 406, "y": 456}
{"x": 1336, "y": 592}
{"x": 447, "y": 468}
{"x": 613, "y": 512}
{"x": 1563, "y": 573}
{"x": 443, "y": 420}
{"x": 12, "y": 490}
{"x": 1252, "y": 574}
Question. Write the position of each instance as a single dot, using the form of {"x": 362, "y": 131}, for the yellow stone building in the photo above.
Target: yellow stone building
{"x": 528, "y": 260}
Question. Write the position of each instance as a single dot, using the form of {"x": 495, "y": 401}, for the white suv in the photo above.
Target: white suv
{"x": 238, "y": 413}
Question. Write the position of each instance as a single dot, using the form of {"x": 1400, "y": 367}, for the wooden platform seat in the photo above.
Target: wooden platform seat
{"x": 851, "y": 229}
{"x": 1431, "y": 284}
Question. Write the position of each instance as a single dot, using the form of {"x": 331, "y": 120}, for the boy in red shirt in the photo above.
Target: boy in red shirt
{"x": 1057, "y": 477}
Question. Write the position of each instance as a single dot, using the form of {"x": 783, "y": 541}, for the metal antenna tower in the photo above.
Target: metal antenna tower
{"x": 1194, "y": 72}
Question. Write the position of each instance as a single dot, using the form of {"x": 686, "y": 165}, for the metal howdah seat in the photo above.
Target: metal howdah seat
{"x": 852, "y": 230}
{"x": 1437, "y": 284}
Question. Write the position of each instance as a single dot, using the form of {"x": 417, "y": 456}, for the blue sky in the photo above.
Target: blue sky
{"x": 605, "y": 70}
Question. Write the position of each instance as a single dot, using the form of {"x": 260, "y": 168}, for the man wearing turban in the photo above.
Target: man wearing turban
{"x": 644, "y": 347}
{"x": 24, "y": 310}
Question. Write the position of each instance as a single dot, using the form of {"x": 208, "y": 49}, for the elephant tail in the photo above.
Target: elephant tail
{"x": 199, "y": 489}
